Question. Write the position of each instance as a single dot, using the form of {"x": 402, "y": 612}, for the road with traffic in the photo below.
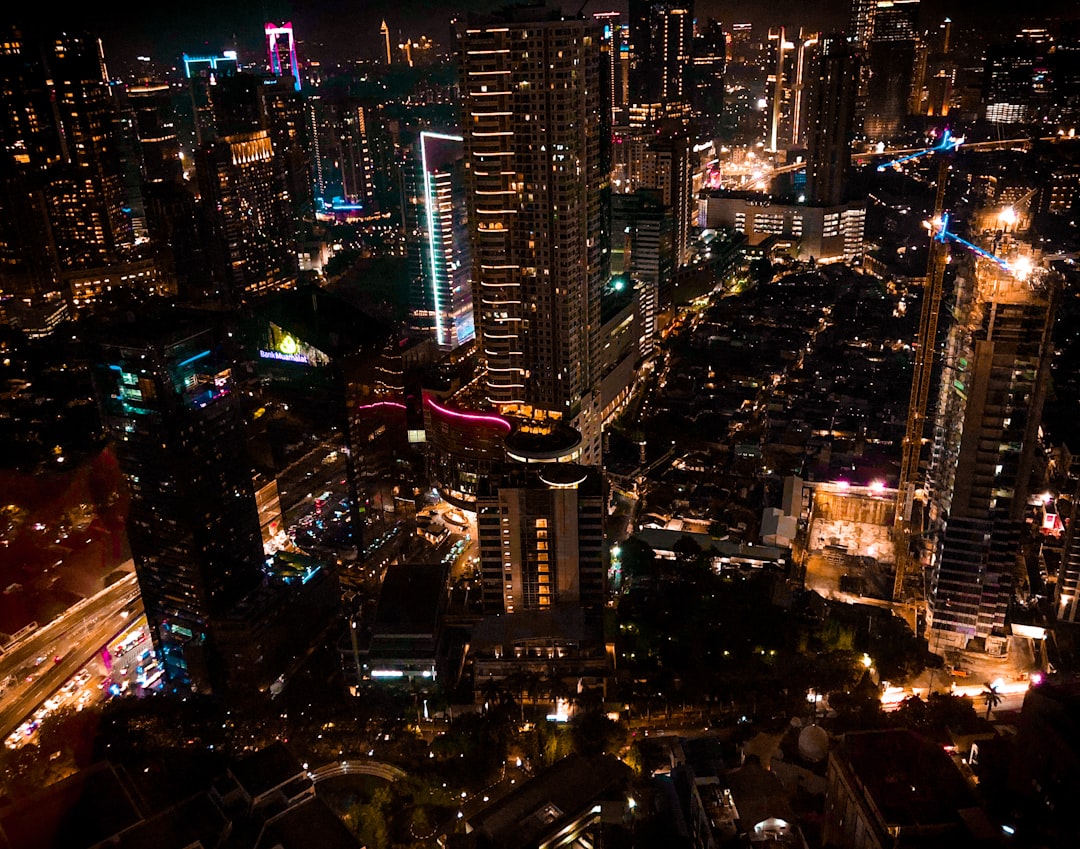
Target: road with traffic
{"x": 74, "y": 637}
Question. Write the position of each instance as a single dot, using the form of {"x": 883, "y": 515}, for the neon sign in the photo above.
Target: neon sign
{"x": 280, "y": 355}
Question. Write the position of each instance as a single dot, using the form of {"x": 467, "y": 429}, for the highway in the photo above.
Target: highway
{"x": 75, "y": 637}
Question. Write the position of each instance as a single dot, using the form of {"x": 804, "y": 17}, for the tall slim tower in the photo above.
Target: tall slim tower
{"x": 384, "y": 31}
{"x": 165, "y": 391}
{"x": 531, "y": 102}
{"x": 438, "y": 240}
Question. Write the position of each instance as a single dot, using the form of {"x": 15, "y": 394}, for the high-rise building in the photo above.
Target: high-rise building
{"x": 203, "y": 73}
{"x": 252, "y": 233}
{"x": 281, "y": 48}
{"x": 438, "y": 240}
{"x": 165, "y": 391}
{"x": 994, "y": 382}
{"x": 707, "y": 78}
{"x": 891, "y": 81}
{"x": 155, "y": 127}
{"x": 384, "y": 31}
{"x": 662, "y": 34}
{"x": 830, "y": 121}
{"x": 541, "y": 535}
{"x": 62, "y": 166}
{"x": 614, "y": 61}
{"x": 533, "y": 157}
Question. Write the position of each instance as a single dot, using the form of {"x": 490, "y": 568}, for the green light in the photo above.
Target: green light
{"x": 287, "y": 345}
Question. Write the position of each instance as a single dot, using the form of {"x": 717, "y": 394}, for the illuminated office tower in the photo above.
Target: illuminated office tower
{"x": 830, "y": 121}
{"x": 438, "y": 240}
{"x": 384, "y": 31}
{"x": 533, "y": 141}
{"x": 252, "y": 232}
{"x": 282, "y": 51}
{"x": 710, "y": 52}
{"x": 614, "y": 61}
{"x": 165, "y": 391}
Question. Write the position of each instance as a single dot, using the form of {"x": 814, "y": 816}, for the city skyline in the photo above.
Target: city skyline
{"x": 574, "y": 428}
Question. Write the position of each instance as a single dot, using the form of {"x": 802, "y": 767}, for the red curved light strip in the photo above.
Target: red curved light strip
{"x": 471, "y": 417}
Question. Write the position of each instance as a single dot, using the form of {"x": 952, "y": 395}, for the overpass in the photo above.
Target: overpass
{"x": 75, "y": 637}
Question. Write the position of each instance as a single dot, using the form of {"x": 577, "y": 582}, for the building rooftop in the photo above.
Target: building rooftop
{"x": 547, "y": 803}
{"x": 410, "y": 599}
{"x": 76, "y": 813}
{"x": 266, "y": 769}
{"x": 303, "y": 826}
{"x": 911, "y": 781}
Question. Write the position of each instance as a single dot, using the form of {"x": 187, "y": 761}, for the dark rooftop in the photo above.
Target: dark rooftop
{"x": 545, "y": 804}
{"x": 308, "y": 825}
{"x": 78, "y": 812}
{"x": 266, "y": 769}
{"x": 196, "y": 821}
{"x": 409, "y": 601}
{"x": 910, "y": 780}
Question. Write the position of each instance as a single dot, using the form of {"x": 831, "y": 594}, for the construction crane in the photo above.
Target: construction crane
{"x": 911, "y": 448}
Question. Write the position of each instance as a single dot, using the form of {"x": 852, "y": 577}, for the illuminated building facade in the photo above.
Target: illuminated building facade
{"x": 541, "y": 537}
{"x": 281, "y": 47}
{"x": 533, "y": 142}
{"x": 615, "y": 60}
{"x": 202, "y": 74}
{"x": 662, "y": 35}
{"x": 166, "y": 395}
{"x": 891, "y": 81}
{"x": 437, "y": 224}
{"x": 64, "y": 195}
{"x": 253, "y": 248}
{"x": 823, "y": 232}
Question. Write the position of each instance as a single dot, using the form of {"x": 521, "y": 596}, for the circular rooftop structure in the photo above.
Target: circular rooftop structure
{"x": 545, "y": 442}
{"x": 564, "y": 475}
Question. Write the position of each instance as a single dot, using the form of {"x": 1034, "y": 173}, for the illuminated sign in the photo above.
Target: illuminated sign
{"x": 283, "y": 346}
{"x": 278, "y": 355}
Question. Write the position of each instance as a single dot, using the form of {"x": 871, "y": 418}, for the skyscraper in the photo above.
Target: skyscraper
{"x": 281, "y": 47}
{"x": 252, "y": 240}
{"x": 164, "y": 387}
{"x": 830, "y": 121}
{"x": 531, "y": 102}
{"x": 994, "y": 382}
{"x": 891, "y": 79}
{"x": 64, "y": 205}
{"x": 438, "y": 240}
{"x": 662, "y": 34}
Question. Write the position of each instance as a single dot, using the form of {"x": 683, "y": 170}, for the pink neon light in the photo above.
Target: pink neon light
{"x": 471, "y": 417}
{"x": 375, "y": 404}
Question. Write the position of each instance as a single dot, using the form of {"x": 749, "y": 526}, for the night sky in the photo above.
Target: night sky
{"x": 350, "y": 27}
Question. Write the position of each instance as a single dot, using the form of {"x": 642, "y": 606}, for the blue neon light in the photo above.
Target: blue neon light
{"x": 190, "y": 360}
{"x": 948, "y": 142}
{"x": 944, "y": 234}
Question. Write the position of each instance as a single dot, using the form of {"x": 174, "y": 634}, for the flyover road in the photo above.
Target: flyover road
{"x": 75, "y": 637}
